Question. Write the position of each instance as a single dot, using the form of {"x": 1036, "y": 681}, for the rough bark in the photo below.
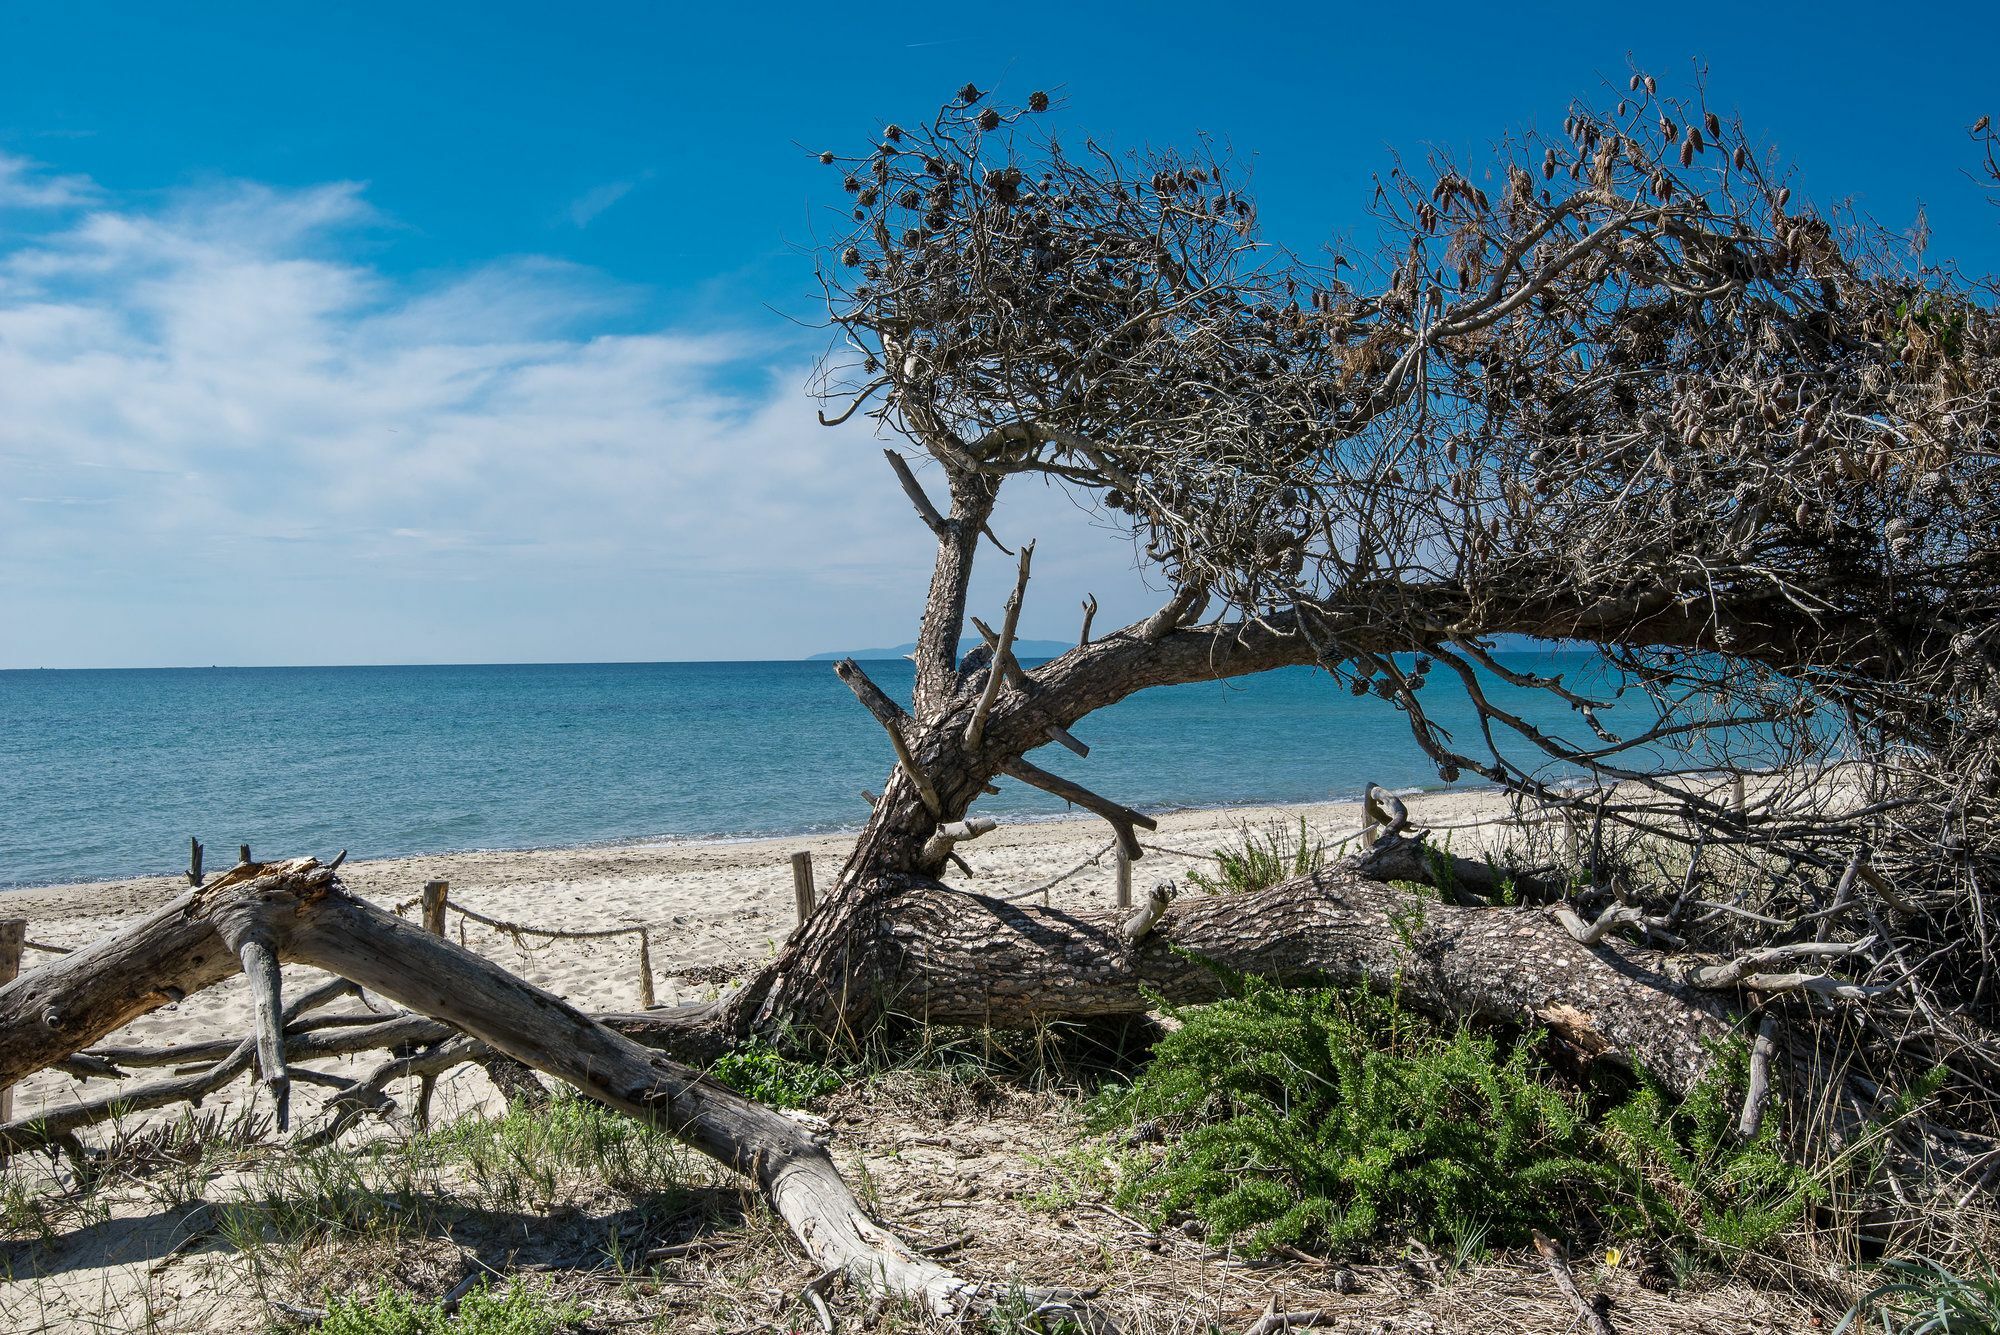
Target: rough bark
{"x": 933, "y": 954}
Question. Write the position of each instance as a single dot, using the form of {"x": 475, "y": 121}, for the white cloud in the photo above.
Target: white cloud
{"x": 214, "y": 423}
{"x": 25, "y": 185}
{"x": 587, "y": 207}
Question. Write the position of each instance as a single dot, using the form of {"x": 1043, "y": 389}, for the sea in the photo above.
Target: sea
{"x": 107, "y": 773}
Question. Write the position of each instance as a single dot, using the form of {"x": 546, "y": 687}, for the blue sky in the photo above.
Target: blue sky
{"x": 444, "y": 333}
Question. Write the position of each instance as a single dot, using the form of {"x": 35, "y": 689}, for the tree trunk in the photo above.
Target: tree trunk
{"x": 913, "y": 948}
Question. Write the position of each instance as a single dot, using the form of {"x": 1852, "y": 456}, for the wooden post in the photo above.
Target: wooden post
{"x": 13, "y": 934}
{"x": 1124, "y": 878}
{"x": 243, "y": 852}
{"x": 434, "y": 897}
{"x": 1372, "y": 816}
{"x": 645, "y": 972}
{"x": 802, "y": 884}
{"x": 1739, "y": 798}
{"x": 194, "y": 861}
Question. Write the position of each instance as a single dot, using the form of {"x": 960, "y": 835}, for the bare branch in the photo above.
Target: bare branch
{"x": 891, "y": 716}
{"x": 1003, "y": 652}
{"x": 914, "y": 490}
{"x": 1123, "y": 819}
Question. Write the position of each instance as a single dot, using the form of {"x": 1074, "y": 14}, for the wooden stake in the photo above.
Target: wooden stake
{"x": 194, "y": 861}
{"x": 435, "y": 893}
{"x": 802, "y": 884}
{"x": 645, "y": 973}
{"x": 1124, "y": 878}
{"x": 1739, "y": 798}
{"x": 243, "y": 853}
{"x": 13, "y": 935}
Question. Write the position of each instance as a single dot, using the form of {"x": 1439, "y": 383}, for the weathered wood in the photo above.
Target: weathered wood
{"x": 975, "y": 730}
{"x": 891, "y": 716}
{"x": 222, "y": 1064}
{"x": 950, "y": 958}
{"x": 1089, "y": 614}
{"x": 242, "y": 853}
{"x": 1588, "y": 1314}
{"x": 194, "y": 861}
{"x": 260, "y": 967}
{"x": 13, "y": 936}
{"x": 804, "y": 899}
{"x": 1063, "y": 738}
{"x": 302, "y": 914}
{"x": 1016, "y": 675}
{"x": 436, "y": 893}
{"x": 915, "y": 491}
{"x": 645, "y": 971}
{"x": 1124, "y": 878}
{"x": 1373, "y": 818}
{"x": 1759, "y": 1090}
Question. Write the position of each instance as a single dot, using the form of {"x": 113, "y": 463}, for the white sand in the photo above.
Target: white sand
{"x": 718, "y": 908}
{"x": 717, "y": 911}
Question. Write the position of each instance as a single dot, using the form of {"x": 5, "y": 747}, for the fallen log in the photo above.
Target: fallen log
{"x": 300, "y": 910}
{"x": 967, "y": 960}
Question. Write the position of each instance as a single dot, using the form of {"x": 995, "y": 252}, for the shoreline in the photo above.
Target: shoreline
{"x": 113, "y": 897}
{"x": 714, "y": 911}
{"x": 8, "y": 891}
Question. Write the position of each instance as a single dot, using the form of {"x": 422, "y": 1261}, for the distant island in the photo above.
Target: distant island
{"x": 1036, "y": 649}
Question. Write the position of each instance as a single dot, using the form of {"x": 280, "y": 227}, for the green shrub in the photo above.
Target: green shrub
{"x": 1262, "y": 861}
{"x": 757, "y": 1070}
{"x": 517, "y": 1309}
{"x": 1684, "y": 1172}
{"x": 1339, "y": 1119}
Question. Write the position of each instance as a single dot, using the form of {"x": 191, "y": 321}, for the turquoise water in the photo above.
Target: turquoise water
{"x": 107, "y": 773}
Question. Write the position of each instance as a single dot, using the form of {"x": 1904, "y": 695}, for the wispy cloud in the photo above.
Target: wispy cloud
{"x": 214, "y": 420}
{"x": 24, "y": 184}
{"x": 587, "y": 207}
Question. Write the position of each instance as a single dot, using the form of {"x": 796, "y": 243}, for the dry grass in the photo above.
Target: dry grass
{"x": 985, "y": 1171}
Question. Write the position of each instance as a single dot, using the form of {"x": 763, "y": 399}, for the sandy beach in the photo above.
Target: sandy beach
{"x": 715, "y": 910}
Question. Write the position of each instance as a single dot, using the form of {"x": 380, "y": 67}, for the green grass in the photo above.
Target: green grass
{"x": 1263, "y": 860}
{"x": 518, "y": 1309}
{"x": 569, "y": 1146}
{"x": 1926, "y": 1298}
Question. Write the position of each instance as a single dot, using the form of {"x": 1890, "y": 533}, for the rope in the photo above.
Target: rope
{"x": 552, "y": 934}
{"x": 1179, "y": 852}
{"x": 1090, "y": 861}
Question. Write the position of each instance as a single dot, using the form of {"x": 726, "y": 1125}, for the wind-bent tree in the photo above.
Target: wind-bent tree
{"x": 1616, "y": 387}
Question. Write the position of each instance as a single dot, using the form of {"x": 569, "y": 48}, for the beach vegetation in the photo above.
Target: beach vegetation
{"x": 1264, "y": 858}
{"x": 1341, "y": 1120}
{"x": 514, "y": 1308}
{"x": 758, "y": 1070}
{"x": 1926, "y": 1297}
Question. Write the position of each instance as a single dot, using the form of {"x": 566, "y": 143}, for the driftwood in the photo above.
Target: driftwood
{"x": 301, "y": 914}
